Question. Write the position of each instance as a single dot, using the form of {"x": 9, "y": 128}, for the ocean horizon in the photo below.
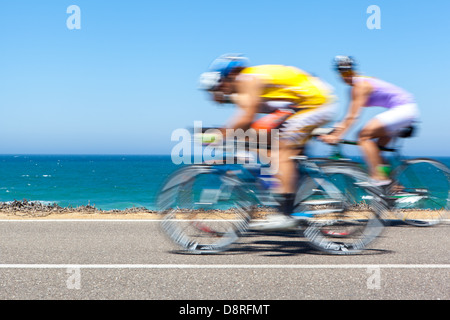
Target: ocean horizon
{"x": 105, "y": 181}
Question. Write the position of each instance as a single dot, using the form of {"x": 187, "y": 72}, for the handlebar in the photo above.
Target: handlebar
{"x": 315, "y": 133}
{"x": 324, "y": 131}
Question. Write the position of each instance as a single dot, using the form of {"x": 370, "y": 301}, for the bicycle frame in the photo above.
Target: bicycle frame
{"x": 243, "y": 186}
{"x": 395, "y": 161}
{"x": 414, "y": 190}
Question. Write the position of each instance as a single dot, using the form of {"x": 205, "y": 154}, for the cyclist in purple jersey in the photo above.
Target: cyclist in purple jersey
{"x": 384, "y": 94}
{"x": 371, "y": 92}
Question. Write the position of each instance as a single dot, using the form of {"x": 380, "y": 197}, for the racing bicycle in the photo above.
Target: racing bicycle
{"x": 419, "y": 193}
{"x": 207, "y": 207}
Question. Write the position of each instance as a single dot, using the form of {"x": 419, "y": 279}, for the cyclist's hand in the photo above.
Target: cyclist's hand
{"x": 330, "y": 139}
{"x": 209, "y": 138}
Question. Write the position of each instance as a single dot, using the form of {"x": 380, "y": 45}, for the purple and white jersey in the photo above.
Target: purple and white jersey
{"x": 385, "y": 94}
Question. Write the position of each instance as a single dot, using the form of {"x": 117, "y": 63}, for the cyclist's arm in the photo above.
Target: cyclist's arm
{"x": 360, "y": 96}
{"x": 248, "y": 99}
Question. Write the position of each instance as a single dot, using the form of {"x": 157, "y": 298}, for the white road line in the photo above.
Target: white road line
{"x": 224, "y": 266}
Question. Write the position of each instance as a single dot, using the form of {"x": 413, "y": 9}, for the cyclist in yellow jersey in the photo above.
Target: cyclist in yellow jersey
{"x": 295, "y": 103}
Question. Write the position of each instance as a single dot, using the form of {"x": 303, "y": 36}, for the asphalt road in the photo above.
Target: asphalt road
{"x": 133, "y": 260}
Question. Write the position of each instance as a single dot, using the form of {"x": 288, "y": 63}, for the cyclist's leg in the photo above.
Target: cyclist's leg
{"x": 373, "y": 130}
{"x": 276, "y": 221}
{"x": 294, "y": 135}
{"x": 383, "y": 127}
{"x": 281, "y": 154}
{"x": 287, "y": 175}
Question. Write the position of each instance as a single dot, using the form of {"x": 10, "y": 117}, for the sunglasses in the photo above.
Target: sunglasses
{"x": 346, "y": 73}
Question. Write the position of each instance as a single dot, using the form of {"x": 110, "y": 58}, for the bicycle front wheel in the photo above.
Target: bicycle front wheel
{"x": 421, "y": 192}
{"x": 344, "y": 218}
{"x": 205, "y": 210}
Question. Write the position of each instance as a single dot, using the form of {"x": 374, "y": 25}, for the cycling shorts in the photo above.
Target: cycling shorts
{"x": 399, "y": 117}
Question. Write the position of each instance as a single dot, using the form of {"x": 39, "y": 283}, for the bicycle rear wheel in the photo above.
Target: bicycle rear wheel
{"x": 204, "y": 209}
{"x": 420, "y": 195}
{"x": 344, "y": 218}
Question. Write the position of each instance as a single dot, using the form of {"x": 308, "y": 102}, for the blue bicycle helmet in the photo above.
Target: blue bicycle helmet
{"x": 220, "y": 69}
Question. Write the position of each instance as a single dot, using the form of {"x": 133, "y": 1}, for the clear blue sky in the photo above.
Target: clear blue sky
{"x": 124, "y": 81}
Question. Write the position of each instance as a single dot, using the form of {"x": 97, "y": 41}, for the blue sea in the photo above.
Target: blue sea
{"x": 104, "y": 181}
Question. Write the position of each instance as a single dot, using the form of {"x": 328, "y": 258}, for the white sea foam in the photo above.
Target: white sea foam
{"x": 44, "y": 203}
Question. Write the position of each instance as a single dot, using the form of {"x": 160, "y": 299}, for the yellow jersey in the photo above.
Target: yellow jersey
{"x": 291, "y": 84}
